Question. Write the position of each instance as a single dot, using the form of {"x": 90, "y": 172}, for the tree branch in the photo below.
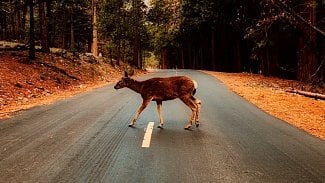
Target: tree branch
{"x": 299, "y": 17}
{"x": 308, "y": 94}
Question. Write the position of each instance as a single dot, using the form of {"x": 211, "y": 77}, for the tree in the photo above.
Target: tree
{"x": 298, "y": 19}
{"x": 122, "y": 25}
{"x": 275, "y": 37}
{"x": 43, "y": 27}
{"x": 94, "y": 43}
{"x": 164, "y": 25}
{"x": 13, "y": 18}
{"x": 137, "y": 13}
{"x": 72, "y": 27}
{"x": 211, "y": 33}
{"x": 49, "y": 22}
{"x": 114, "y": 26}
{"x": 31, "y": 31}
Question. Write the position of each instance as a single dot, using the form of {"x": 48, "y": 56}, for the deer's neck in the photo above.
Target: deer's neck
{"x": 135, "y": 86}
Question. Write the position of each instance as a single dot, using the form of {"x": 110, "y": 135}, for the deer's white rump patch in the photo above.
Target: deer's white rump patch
{"x": 195, "y": 84}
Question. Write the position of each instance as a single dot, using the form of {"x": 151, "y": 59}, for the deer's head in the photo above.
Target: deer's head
{"x": 124, "y": 82}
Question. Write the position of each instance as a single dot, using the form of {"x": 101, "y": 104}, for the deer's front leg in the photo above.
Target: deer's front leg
{"x": 144, "y": 104}
{"x": 161, "y": 122}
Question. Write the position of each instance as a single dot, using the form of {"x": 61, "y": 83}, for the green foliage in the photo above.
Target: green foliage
{"x": 159, "y": 13}
{"x": 119, "y": 21}
{"x": 151, "y": 61}
{"x": 199, "y": 13}
{"x": 65, "y": 11}
{"x": 12, "y": 19}
{"x": 59, "y": 13}
{"x": 163, "y": 25}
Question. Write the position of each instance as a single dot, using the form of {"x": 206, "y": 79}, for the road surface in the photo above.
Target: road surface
{"x": 87, "y": 139}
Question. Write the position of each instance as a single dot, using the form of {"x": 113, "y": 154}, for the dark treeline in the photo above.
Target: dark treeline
{"x": 57, "y": 23}
{"x": 282, "y": 38}
{"x": 278, "y": 38}
{"x": 114, "y": 28}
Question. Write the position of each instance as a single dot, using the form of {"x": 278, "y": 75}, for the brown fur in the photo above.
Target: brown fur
{"x": 162, "y": 89}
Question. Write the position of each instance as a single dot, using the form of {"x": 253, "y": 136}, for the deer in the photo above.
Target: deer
{"x": 163, "y": 89}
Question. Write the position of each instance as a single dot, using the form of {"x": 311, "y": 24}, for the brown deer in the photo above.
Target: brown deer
{"x": 162, "y": 89}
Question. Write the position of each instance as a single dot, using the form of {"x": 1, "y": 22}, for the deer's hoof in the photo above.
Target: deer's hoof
{"x": 160, "y": 126}
{"x": 130, "y": 125}
{"x": 188, "y": 127}
{"x": 197, "y": 125}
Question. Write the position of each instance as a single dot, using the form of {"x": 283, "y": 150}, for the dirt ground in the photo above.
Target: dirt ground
{"x": 50, "y": 77}
{"x": 269, "y": 94}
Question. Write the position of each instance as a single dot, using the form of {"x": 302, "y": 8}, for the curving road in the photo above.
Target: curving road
{"x": 87, "y": 139}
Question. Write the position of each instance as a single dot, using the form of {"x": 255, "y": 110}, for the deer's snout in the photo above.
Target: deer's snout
{"x": 118, "y": 85}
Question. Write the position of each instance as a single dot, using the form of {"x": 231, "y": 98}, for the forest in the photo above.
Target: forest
{"x": 283, "y": 38}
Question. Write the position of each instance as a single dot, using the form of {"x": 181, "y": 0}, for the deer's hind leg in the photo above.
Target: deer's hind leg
{"x": 159, "y": 105}
{"x": 188, "y": 100}
{"x": 198, "y": 110}
{"x": 144, "y": 104}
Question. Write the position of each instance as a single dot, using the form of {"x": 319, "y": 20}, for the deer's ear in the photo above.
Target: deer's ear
{"x": 128, "y": 72}
{"x": 131, "y": 72}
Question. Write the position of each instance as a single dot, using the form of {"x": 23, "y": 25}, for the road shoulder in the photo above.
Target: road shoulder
{"x": 268, "y": 93}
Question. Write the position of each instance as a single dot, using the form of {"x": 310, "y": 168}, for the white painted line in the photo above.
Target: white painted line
{"x": 147, "y": 135}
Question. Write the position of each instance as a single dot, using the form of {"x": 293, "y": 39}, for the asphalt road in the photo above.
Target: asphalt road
{"x": 87, "y": 139}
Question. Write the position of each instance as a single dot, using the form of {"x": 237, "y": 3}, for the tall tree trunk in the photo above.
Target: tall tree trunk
{"x": 201, "y": 57}
{"x": 49, "y": 23}
{"x": 182, "y": 58}
{"x": 123, "y": 51}
{"x": 201, "y": 47}
{"x": 23, "y": 21}
{"x": 43, "y": 28}
{"x": 63, "y": 32}
{"x": 139, "y": 56}
{"x": 17, "y": 21}
{"x": 189, "y": 55}
{"x": 320, "y": 41}
{"x": 272, "y": 61}
{"x": 72, "y": 40}
{"x": 213, "y": 50}
{"x": 31, "y": 31}
{"x": 266, "y": 62}
{"x": 94, "y": 44}
{"x": 194, "y": 57}
{"x": 136, "y": 49}
{"x": 118, "y": 52}
{"x": 237, "y": 57}
{"x": 307, "y": 63}
{"x": 163, "y": 58}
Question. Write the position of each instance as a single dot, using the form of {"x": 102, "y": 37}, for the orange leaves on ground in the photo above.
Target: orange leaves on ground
{"x": 24, "y": 84}
{"x": 269, "y": 94}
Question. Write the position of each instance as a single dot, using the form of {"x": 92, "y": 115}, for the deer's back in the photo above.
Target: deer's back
{"x": 167, "y": 88}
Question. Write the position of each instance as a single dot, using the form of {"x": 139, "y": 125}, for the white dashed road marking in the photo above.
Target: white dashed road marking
{"x": 147, "y": 135}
